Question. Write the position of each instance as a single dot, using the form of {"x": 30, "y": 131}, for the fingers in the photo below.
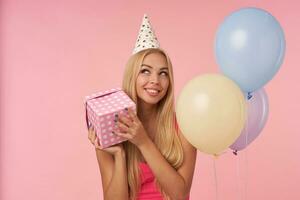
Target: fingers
{"x": 122, "y": 128}
{"x": 125, "y": 135}
{"x": 93, "y": 138}
{"x": 97, "y": 146}
{"x": 132, "y": 115}
{"x": 125, "y": 120}
{"x": 92, "y": 135}
{"x": 126, "y": 125}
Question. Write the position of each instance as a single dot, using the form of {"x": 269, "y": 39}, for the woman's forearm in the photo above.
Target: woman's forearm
{"x": 170, "y": 180}
{"x": 118, "y": 186}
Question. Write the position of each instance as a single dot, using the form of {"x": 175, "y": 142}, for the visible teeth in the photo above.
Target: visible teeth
{"x": 152, "y": 91}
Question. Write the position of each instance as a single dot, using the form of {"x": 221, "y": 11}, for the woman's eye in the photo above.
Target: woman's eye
{"x": 144, "y": 70}
{"x": 165, "y": 73}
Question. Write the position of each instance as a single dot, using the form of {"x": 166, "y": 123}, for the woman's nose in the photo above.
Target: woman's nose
{"x": 153, "y": 79}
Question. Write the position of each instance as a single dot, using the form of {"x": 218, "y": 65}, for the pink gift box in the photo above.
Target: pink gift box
{"x": 101, "y": 108}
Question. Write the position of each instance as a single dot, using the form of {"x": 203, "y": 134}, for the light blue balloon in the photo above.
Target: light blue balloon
{"x": 250, "y": 47}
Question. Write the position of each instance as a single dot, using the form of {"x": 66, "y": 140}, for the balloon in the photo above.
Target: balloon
{"x": 211, "y": 112}
{"x": 258, "y": 110}
{"x": 250, "y": 47}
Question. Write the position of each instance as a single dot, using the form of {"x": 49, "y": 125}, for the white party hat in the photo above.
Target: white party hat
{"x": 146, "y": 38}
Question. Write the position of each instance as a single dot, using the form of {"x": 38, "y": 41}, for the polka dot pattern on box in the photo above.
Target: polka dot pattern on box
{"x": 101, "y": 108}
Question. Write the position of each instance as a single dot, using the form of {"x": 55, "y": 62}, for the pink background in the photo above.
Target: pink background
{"x": 53, "y": 53}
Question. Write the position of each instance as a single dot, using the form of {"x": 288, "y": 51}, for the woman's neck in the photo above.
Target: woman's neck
{"x": 146, "y": 112}
{"x": 147, "y": 115}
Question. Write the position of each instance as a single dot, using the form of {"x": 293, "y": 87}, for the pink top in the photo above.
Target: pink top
{"x": 148, "y": 191}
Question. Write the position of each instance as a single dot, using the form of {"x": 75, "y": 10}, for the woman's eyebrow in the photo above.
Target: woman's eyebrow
{"x": 152, "y": 67}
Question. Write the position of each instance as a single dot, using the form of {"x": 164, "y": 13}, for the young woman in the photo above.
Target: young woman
{"x": 156, "y": 162}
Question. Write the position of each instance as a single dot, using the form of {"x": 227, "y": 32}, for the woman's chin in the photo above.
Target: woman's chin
{"x": 150, "y": 101}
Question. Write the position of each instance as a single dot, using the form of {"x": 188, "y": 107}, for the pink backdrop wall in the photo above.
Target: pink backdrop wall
{"x": 53, "y": 53}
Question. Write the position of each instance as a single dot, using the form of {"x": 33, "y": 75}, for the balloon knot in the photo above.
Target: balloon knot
{"x": 235, "y": 152}
{"x": 249, "y": 96}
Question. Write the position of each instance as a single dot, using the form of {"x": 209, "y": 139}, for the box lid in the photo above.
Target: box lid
{"x": 101, "y": 94}
{"x": 97, "y": 95}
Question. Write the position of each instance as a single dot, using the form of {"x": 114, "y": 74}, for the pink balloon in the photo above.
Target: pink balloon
{"x": 258, "y": 111}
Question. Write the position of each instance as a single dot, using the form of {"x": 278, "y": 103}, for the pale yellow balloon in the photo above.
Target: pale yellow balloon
{"x": 211, "y": 112}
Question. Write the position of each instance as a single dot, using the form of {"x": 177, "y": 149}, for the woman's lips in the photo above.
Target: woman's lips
{"x": 152, "y": 92}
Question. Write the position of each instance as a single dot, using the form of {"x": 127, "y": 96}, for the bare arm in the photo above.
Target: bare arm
{"x": 113, "y": 174}
{"x": 112, "y": 165}
{"x": 166, "y": 174}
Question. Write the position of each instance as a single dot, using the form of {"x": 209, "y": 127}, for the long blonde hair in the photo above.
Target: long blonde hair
{"x": 166, "y": 139}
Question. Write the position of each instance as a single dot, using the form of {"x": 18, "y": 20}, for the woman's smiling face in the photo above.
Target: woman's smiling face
{"x": 153, "y": 79}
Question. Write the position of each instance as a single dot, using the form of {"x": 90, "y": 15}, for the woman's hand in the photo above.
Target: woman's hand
{"x": 131, "y": 128}
{"x": 113, "y": 150}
